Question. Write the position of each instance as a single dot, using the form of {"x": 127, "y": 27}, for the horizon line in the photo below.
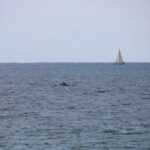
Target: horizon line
{"x": 69, "y": 62}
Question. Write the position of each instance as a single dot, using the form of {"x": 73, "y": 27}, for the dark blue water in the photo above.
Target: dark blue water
{"x": 105, "y": 106}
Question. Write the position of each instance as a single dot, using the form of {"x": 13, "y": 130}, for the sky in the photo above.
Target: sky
{"x": 74, "y": 30}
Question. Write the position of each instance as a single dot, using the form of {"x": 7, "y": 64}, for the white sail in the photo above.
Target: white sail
{"x": 119, "y": 59}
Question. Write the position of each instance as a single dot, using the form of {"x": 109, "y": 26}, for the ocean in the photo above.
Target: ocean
{"x": 74, "y": 106}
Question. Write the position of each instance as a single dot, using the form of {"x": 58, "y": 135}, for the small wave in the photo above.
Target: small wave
{"x": 127, "y": 104}
{"x": 146, "y": 98}
{"x": 86, "y": 93}
{"x": 145, "y": 125}
{"x": 145, "y": 94}
{"x": 71, "y": 107}
{"x": 132, "y": 133}
{"x": 7, "y": 93}
{"x": 101, "y": 91}
{"x": 33, "y": 84}
{"x": 112, "y": 131}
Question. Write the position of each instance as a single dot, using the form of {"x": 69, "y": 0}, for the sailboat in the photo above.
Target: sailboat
{"x": 119, "y": 59}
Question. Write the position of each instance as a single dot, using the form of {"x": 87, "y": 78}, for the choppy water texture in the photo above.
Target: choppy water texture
{"x": 103, "y": 107}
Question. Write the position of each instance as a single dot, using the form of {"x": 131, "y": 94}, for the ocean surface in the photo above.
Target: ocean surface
{"x": 75, "y": 106}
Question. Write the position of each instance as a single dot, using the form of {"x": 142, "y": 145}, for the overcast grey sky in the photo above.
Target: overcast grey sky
{"x": 74, "y": 30}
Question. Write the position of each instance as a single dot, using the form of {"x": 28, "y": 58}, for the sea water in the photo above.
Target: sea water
{"x": 102, "y": 107}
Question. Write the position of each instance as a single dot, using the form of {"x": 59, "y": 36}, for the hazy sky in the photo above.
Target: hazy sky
{"x": 74, "y": 30}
